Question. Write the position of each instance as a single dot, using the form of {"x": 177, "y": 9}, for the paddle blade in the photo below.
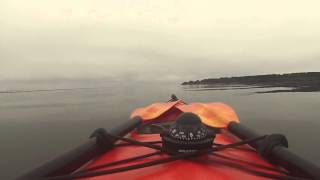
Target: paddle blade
{"x": 217, "y": 115}
{"x": 154, "y": 110}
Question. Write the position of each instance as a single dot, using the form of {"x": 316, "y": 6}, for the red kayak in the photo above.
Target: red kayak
{"x": 176, "y": 140}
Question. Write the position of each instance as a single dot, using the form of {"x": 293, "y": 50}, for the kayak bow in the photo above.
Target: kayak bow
{"x": 201, "y": 140}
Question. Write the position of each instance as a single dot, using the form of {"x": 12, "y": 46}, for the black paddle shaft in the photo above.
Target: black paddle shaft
{"x": 74, "y": 159}
{"x": 279, "y": 155}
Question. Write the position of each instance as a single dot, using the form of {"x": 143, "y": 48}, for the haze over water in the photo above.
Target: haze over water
{"x": 68, "y": 67}
{"x": 164, "y": 40}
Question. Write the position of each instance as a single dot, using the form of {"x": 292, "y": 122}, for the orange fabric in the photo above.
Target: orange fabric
{"x": 216, "y": 115}
{"x": 154, "y": 110}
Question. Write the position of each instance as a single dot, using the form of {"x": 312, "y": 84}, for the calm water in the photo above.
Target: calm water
{"x": 36, "y": 126}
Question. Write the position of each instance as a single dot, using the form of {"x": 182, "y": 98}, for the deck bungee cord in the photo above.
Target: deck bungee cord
{"x": 191, "y": 141}
{"x": 250, "y": 163}
{"x": 90, "y": 172}
{"x": 128, "y": 144}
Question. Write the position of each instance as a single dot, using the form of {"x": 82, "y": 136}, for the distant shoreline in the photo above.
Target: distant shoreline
{"x": 297, "y": 82}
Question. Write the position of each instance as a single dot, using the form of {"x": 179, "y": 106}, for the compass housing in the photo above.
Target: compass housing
{"x": 187, "y": 134}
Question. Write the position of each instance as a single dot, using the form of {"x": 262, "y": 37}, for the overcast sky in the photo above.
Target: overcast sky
{"x": 166, "y": 39}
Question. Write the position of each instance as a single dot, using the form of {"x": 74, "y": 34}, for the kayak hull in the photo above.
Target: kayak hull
{"x": 233, "y": 163}
{"x": 240, "y": 162}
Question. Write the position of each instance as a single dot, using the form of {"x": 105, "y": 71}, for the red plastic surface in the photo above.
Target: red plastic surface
{"x": 204, "y": 167}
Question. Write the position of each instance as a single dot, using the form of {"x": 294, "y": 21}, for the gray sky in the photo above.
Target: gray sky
{"x": 167, "y": 39}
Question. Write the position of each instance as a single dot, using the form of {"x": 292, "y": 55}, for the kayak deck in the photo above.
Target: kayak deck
{"x": 179, "y": 123}
{"x": 234, "y": 163}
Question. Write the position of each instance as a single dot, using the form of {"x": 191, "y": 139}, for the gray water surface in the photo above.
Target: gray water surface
{"x": 37, "y": 124}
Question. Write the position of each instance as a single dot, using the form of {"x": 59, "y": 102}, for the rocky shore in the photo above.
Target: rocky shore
{"x": 297, "y": 82}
